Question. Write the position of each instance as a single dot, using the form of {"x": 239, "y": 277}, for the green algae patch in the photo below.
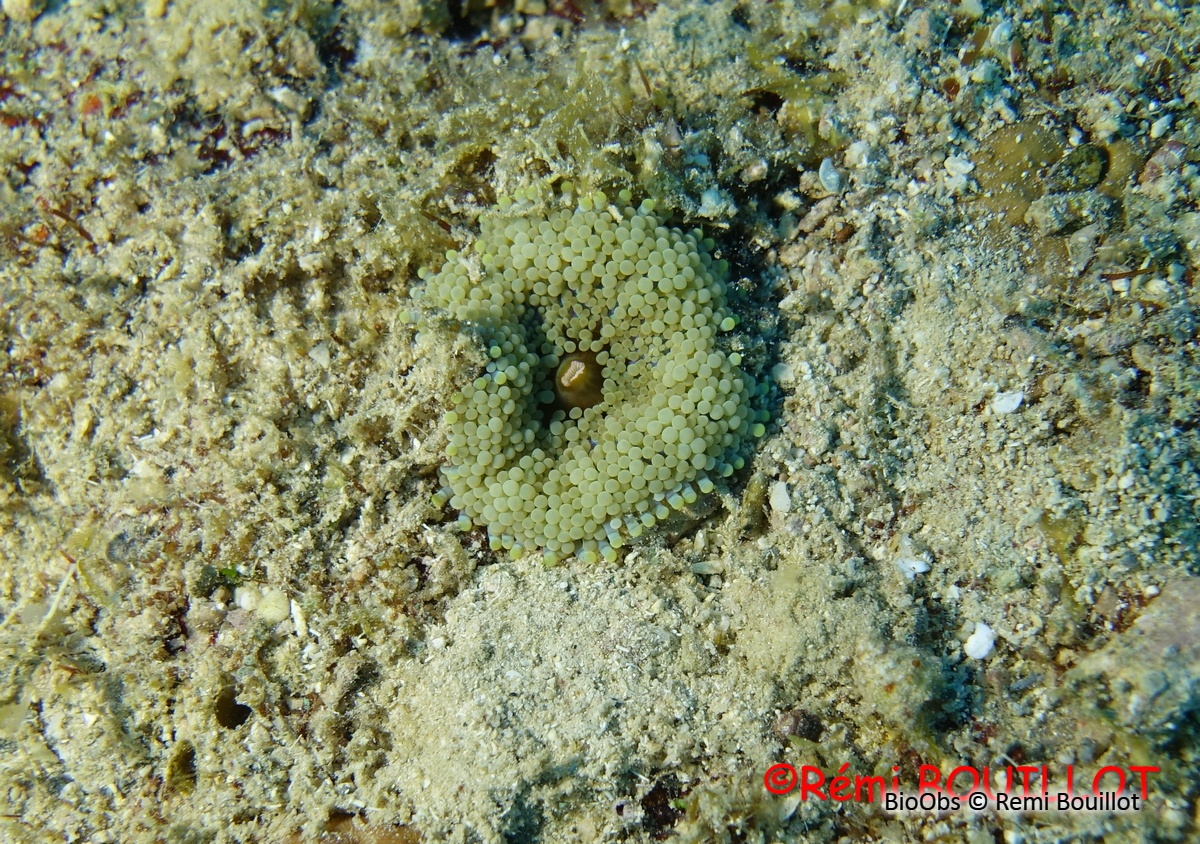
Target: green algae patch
{"x": 604, "y": 292}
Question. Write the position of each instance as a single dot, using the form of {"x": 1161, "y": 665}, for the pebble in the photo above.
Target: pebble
{"x": 956, "y": 165}
{"x": 1161, "y": 126}
{"x": 23, "y": 11}
{"x": 1068, "y": 212}
{"x": 1080, "y": 169}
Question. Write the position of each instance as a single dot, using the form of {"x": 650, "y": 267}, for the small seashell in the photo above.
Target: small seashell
{"x": 829, "y": 177}
{"x": 1166, "y": 159}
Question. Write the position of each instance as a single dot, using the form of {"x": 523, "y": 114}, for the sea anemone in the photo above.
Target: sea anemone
{"x": 608, "y": 400}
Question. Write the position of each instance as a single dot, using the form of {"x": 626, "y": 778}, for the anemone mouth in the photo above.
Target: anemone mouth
{"x": 579, "y": 381}
{"x": 580, "y": 434}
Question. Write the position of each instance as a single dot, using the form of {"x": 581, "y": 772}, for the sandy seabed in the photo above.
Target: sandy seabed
{"x": 964, "y": 241}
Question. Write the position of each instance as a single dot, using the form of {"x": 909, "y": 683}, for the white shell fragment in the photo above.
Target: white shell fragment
{"x": 246, "y": 597}
{"x": 858, "y": 154}
{"x": 1007, "y": 402}
{"x": 956, "y": 165}
{"x": 781, "y": 502}
{"x": 714, "y": 204}
{"x": 979, "y": 645}
{"x": 299, "y": 622}
{"x": 707, "y": 567}
{"x": 909, "y": 561}
{"x": 274, "y": 606}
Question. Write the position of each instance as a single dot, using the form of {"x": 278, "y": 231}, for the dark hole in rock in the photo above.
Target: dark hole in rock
{"x": 228, "y": 711}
